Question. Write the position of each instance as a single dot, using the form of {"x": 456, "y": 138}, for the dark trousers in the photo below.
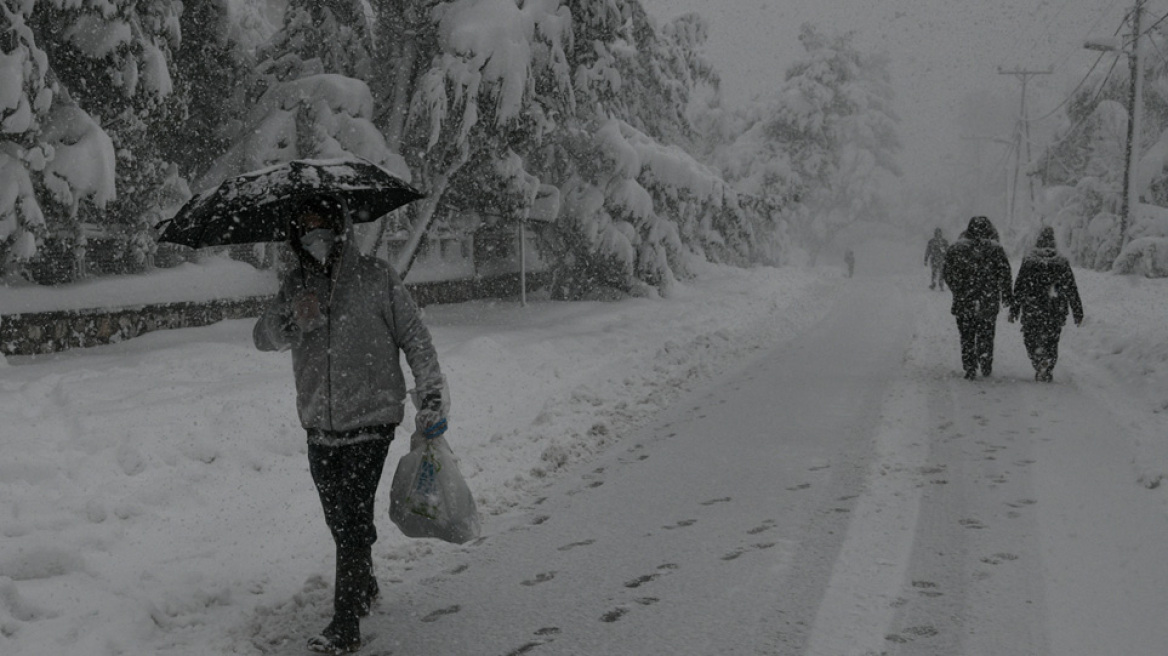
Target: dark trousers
{"x": 977, "y": 341}
{"x": 346, "y": 479}
{"x": 938, "y": 278}
{"x": 1042, "y": 341}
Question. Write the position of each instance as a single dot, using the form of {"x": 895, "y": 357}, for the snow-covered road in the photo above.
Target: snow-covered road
{"x": 709, "y": 531}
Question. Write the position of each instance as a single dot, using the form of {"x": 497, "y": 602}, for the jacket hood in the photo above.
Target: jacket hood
{"x": 1045, "y": 238}
{"x": 937, "y": 233}
{"x": 981, "y": 228}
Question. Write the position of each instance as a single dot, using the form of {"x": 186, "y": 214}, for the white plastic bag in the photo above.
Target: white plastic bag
{"x": 428, "y": 497}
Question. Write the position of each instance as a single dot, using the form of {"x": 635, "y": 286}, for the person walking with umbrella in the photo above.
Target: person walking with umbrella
{"x": 1045, "y": 292}
{"x": 978, "y": 274}
{"x": 346, "y": 317}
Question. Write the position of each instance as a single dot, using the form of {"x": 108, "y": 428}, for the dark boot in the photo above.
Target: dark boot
{"x": 339, "y": 637}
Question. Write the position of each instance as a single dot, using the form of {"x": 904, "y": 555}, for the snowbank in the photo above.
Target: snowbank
{"x": 212, "y": 278}
{"x": 1125, "y": 334}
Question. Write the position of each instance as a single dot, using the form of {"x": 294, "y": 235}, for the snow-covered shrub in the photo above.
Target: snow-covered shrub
{"x": 1146, "y": 256}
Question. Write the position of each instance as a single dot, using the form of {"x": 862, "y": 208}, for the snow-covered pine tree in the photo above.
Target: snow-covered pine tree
{"x": 406, "y": 34}
{"x": 307, "y": 97}
{"x": 637, "y": 202}
{"x": 828, "y": 138}
{"x": 112, "y": 58}
{"x": 209, "y": 65}
{"x": 25, "y": 99}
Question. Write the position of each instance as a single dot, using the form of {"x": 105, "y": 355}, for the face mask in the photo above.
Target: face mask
{"x": 318, "y": 243}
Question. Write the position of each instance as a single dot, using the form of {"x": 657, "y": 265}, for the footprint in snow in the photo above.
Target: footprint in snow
{"x": 436, "y": 615}
{"x": 718, "y": 500}
{"x": 734, "y": 555}
{"x": 680, "y": 524}
{"x": 641, "y": 580}
{"x": 573, "y": 545}
{"x": 763, "y": 527}
{"x": 999, "y": 558}
{"x": 801, "y": 486}
{"x": 927, "y": 588}
{"x": 646, "y": 578}
{"x": 1021, "y": 503}
{"x": 542, "y": 577}
{"x": 614, "y": 614}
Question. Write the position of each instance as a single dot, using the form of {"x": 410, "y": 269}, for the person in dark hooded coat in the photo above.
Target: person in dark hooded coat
{"x": 978, "y": 273}
{"x": 935, "y": 257}
{"x": 347, "y": 319}
{"x": 1044, "y": 293}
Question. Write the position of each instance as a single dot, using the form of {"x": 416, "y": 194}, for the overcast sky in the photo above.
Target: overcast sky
{"x": 942, "y": 52}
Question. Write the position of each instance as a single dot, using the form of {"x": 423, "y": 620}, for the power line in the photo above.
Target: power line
{"x": 1071, "y": 94}
{"x": 1154, "y": 25}
{"x": 1089, "y": 71}
{"x": 1050, "y": 23}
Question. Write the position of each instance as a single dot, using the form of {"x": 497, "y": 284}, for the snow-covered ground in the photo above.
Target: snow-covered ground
{"x": 157, "y": 498}
{"x": 157, "y": 494}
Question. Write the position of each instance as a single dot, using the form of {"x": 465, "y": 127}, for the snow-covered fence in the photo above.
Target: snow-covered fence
{"x": 32, "y": 333}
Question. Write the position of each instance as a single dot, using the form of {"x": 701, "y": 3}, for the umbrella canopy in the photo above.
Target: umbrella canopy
{"x": 257, "y": 206}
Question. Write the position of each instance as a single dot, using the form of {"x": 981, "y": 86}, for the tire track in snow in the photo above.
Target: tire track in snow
{"x": 858, "y": 606}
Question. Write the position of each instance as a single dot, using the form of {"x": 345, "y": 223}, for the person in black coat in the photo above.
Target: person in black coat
{"x": 978, "y": 273}
{"x": 1044, "y": 293}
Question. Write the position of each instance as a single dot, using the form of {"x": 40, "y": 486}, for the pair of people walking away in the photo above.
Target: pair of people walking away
{"x": 935, "y": 258}
{"x": 978, "y": 273}
{"x": 1044, "y": 294}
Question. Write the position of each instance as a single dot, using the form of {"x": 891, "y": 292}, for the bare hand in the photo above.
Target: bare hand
{"x": 306, "y": 311}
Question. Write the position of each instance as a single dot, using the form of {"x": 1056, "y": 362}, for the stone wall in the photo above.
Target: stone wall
{"x": 34, "y": 333}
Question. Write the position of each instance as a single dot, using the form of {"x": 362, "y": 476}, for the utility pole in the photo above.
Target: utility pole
{"x": 1021, "y": 131}
{"x": 1135, "y": 100}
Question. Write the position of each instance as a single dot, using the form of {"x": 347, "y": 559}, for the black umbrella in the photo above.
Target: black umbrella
{"x": 257, "y": 206}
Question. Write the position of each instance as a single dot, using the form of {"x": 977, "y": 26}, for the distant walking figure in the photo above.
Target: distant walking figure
{"x": 978, "y": 273}
{"x": 1043, "y": 294}
{"x": 935, "y": 257}
{"x": 850, "y": 260}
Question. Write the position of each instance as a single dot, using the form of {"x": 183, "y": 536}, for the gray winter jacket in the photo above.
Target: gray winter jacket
{"x": 348, "y": 370}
